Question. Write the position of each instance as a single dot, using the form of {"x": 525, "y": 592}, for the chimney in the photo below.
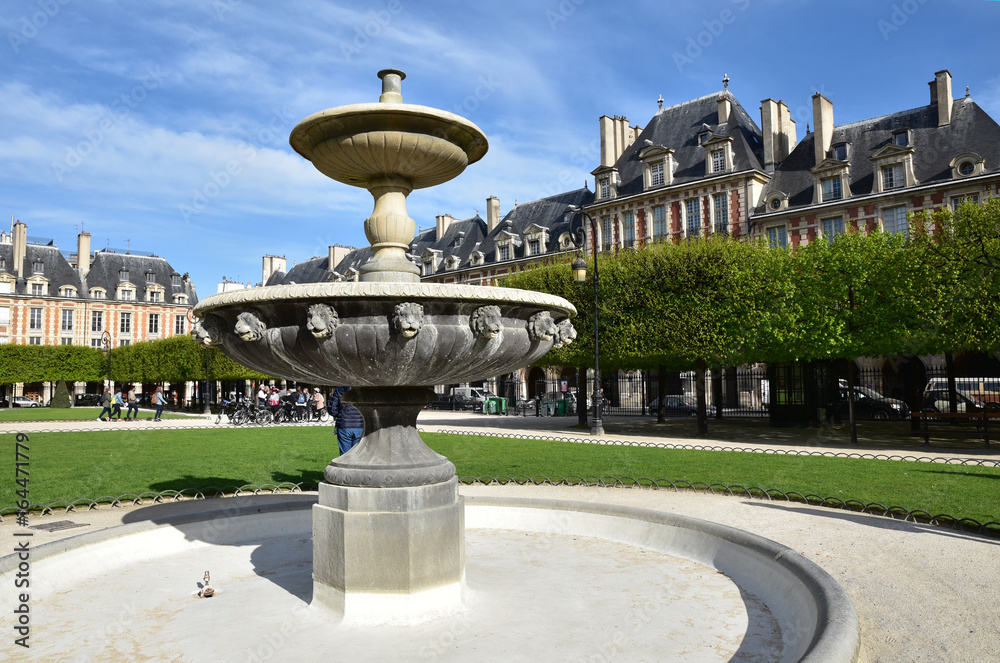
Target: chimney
{"x": 941, "y": 96}
{"x": 20, "y": 239}
{"x": 787, "y": 138}
{"x": 616, "y": 135}
{"x": 822, "y": 126}
{"x": 724, "y": 109}
{"x": 336, "y": 255}
{"x": 607, "y": 141}
{"x": 492, "y": 213}
{"x": 83, "y": 253}
{"x": 442, "y": 223}
{"x": 778, "y": 128}
{"x": 272, "y": 264}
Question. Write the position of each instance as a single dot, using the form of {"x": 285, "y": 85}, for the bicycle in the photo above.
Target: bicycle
{"x": 228, "y": 408}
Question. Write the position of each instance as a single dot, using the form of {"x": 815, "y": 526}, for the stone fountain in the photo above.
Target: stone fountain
{"x": 388, "y": 531}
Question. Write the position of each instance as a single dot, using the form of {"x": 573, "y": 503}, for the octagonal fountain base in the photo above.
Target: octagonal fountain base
{"x": 546, "y": 579}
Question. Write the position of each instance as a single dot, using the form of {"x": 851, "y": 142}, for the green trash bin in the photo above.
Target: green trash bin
{"x": 562, "y": 407}
{"x": 501, "y": 405}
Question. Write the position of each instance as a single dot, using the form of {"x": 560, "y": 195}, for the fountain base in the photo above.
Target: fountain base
{"x": 389, "y": 554}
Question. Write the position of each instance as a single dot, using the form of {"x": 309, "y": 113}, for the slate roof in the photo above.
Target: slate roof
{"x": 105, "y": 267}
{"x": 55, "y": 268}
{"x": 970, "y": 130}
{"x": 678, "y": 127}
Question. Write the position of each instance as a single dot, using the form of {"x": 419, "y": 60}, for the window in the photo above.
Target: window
{"x": 656, "y": 174}
{"x": 97, "y": 321}
{"x": 125, "y": 323}
{"x": 67, "y": 319}
{"x": 718, "y": 161}
{"x": 628, "y": 230}
{"x": 831, "y": 188}
{"x": 154, "y": 324}
{"x": 179, "y": 325}
{"x": 67, "y": 292}
{"x": 606, "y": 233}
{"x": 605, "y": 188}
{"x": 4, "y": 315}
{"x": 892, "y": 177}
{"x": 775, "y": 203}
{"x": 504, "y": 252}
{"x": 35, "y": 340}
{"x": 693, "y": 208}
{"x": 150, "y": 277}
{"x": 126, "y": 295}
{"x": 5, "y": 287}
{"x": 3, "y": 263}
{"x": 180, "y": 299}
{"x": 156, "y": 296}
{"x": 38, "y": 288}
{"x": 900, "y": 138}
{"x": 534, "y": 247}
{"x": 175, "y": 279}
{"x": 97, "y": 294}
{"x": 96, "y": 343}
{"x": 840, "y": 152}
{"x": 955, "y": 202}
{"x": 967, "y": 168}
{"x": 832, "y": 228}
{"x": 122, "y": 343}
{"x": 777, "y": 237}
{"x": 38, "y": 267}
{"x": 123, "y": 275}
{"x": 66, "y": 341}
{"x": 721, "y": 214}
{"x": 894, "y": 220}
{"x": 659, "y": 221}
{"x": 35, "y": 319}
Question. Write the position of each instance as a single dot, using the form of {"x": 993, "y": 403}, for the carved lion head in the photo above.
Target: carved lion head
{"x": 565, "y": 334}
{"x": 250, "y": 325}
{"x": 209, "y": 330}
{"x": 541, "y": 326}
{"x": 408, "y": 318}
{"x": 486, "y": 321}
{"x": 321, "y": 320}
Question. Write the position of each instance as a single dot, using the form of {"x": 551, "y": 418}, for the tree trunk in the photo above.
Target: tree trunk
{"x": 581, "y": 396}
{"x": 661, "y": 391}
{"x": 949, "y": 363}
{"x": 717, "y": 391}
{"x": 699, "y": 387}
{"x": 851, "y": 381}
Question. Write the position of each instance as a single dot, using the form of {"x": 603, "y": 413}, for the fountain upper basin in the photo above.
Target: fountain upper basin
{"x": 384, "y": 334}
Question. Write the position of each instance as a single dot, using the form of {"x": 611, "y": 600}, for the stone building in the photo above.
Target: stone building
{"x": 48, "y": 297}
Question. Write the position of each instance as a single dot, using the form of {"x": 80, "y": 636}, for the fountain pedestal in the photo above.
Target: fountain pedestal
{"x": 389, "y": 554}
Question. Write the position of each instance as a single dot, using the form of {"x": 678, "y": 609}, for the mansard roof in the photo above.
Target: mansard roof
{"x": 545, "y": 212}
{"x": 56, "y": 270}
{"x": 934, "y": 147}
{"x": 678, "y": 127}
{"x": 106, "y": 265}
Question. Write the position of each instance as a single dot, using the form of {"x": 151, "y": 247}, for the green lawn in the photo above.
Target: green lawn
{"x": 67, "y": 414}
{"x": 67, "y": 466}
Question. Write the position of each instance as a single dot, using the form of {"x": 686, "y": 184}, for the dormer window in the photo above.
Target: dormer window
{"x": 123, "y": 275}
{"x": 901, "y": 138}
{"x": 718, "y": 161}
{"x": 656, "y": 174}
{"x": 967, "y": 165}
{"x": 534, "y": 247}
{"x": 703, "y": 136}
{"x": 892, "y": 177}
{"x": 126, "y": 295}
{"x": 175, "y": 279}
{"x": 97, "y": 293}
{"x": 477, "y": 258}
{"x": 3, "y": 263}
{"x": 150, "y": 277}
{"x": 180, "y": 299}
{"x": 156, "y": 296}
{"x": 832, "y": 188}
{"x": 503, "y": 252}
{"x": 840, "y": 152}
{"x": 67, "y": 291}
{"x": 605, "y": 188}
{"x": 37, "y": 288}
{"x": 657, "y": 165}
{"x": 38, "y": 267}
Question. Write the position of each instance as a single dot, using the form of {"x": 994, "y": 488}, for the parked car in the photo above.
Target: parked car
{"x": 936, "y": 400}
{"x": 24, "y": 401}
{"x": 679, "y": 406}
{"x": 87, "y": 400}
{"x": 453, "y": 402}
{"x": 869, "y": 404}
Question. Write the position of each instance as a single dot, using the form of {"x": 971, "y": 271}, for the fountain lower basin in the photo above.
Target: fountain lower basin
{"x": 545, "y": 578}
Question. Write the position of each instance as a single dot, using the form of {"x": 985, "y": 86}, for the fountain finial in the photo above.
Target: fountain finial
{"x": 391, "y": 86}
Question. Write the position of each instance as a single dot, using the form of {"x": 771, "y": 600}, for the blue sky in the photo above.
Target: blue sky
{"x": 121, "y": 117}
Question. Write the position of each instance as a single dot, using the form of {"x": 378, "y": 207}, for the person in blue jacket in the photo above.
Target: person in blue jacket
{"x": 350, "y": 423}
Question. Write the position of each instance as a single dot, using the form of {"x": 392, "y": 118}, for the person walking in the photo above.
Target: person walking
{"x": 350, "y": 423}
{"x": 119, "y": 401}
{"x": 106, "y": 402}
{"x": 159, "y": 402}
{"x": 132, "y": 413}
{"x": 300, "y": 404}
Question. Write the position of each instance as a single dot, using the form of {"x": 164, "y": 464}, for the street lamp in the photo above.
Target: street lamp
{"x": 106, "y": 343}
{"x": 580, "y": 276}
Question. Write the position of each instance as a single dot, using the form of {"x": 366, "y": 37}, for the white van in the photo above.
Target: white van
{"x": 986, "y": 390}
{"x": 474, "y": 394}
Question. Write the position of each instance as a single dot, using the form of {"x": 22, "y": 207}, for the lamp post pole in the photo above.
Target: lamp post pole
{"x": 580, "y": 276}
